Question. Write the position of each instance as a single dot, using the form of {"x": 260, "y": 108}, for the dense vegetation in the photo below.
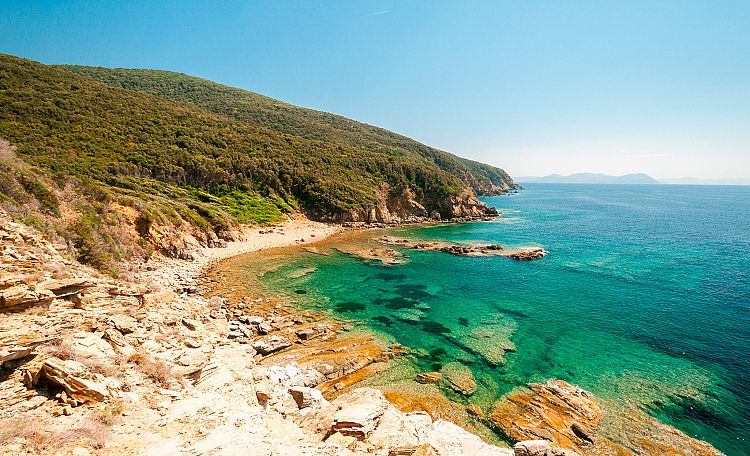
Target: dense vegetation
{"x": 261, "y": 111}
{"x": 181, "y": 150}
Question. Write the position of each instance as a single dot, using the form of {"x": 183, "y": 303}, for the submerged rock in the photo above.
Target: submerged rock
{"x": 429, "y": 377}
{"x": 459, "y": 378}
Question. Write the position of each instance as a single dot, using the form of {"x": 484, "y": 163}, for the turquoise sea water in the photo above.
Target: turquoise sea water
{"x": 644, "y": 299}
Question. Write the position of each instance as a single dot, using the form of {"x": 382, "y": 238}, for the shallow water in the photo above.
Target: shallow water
{"x": 644, "y": 299}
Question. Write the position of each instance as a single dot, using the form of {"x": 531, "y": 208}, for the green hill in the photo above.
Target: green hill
{"x": 94, "y": 146}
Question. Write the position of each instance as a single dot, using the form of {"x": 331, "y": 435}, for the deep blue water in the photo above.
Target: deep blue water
{"x": 644, "y": 299}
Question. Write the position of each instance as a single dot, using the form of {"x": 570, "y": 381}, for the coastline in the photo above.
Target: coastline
{"x": 174, "y": 322}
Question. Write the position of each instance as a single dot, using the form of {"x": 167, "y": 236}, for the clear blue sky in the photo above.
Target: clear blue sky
{"x": 536, "y": 87}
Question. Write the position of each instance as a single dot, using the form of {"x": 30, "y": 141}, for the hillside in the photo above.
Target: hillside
{"x": 261, "y": 111}
{"x": 591, "y": 178}
{"x": 182, "y": 160}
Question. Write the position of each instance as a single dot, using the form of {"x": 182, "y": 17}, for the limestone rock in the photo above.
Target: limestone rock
{"x": 123, "y": 323}
{"x": 305, "y": 396}
{"x": 271, "y": 344}
{"x": 14, "y": 352}
{"x": 22, "y": 294}
{"x": 475, "y": 411}
{"x": 360, "y": 413}
{"x": 71, "y": 376}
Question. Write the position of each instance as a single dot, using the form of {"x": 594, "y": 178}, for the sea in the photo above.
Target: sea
{"x": 643, "y": 299}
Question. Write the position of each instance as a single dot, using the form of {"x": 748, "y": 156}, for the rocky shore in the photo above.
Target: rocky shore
{"x": 165, "y": 360}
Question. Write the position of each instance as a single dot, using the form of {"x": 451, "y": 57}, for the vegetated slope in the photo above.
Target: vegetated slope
{"x": 266, "y": 112}
{"x": 87, "y": 160}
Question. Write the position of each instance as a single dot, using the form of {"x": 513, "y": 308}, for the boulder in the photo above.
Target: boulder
{"x": 66, "y": 287}
{"x": 22, "y": 295}
{"x": 459, "y": 378}
{"x": 72, "y": 377}
{"x": 271, "y": 344}
{"x": 305, "y": 396}
{"x": 360, "y": 414}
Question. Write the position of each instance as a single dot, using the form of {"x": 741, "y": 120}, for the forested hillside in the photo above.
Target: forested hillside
{"x": 91, "y": 148}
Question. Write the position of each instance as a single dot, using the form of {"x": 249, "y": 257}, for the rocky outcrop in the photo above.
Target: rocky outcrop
{"x": 520, "y": 253}
{"x": 570, "y": 418}
{"x": 401, "y": 205}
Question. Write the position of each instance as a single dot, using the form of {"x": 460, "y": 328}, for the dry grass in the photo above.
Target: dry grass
{"x": 61, "y": 349}
{"x": 155, "y": 369}
{"x": 11, "y": 428}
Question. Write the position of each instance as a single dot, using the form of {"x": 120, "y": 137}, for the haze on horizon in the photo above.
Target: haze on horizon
{"x": 537, "y": 88}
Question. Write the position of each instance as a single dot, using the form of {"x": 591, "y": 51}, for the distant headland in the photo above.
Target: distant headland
{"x": 590, "y": 178}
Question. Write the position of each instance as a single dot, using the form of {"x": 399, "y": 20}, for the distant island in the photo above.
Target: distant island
{"x": 590, "y": 178}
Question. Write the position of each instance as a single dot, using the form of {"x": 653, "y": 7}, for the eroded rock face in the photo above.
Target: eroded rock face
{"x": 402, "y": 205}
{"x": 571, "y": 418}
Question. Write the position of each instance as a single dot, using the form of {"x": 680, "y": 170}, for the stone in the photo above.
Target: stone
{"x": 190, "y": 324}
{"x": 123, "y": 323}
{"x": 70, "y": 375}
{"x": 305, "y": 396}
{"x": 192, "y": 343}
{"x": 66, "y": 287}
{"x": 271, "y": 344}
{"x": 308, "y": 333}
{"x": 360, "y": 413}
{"x": 118, "y": 342}
{"x": 264, "y": 328}
{"x": 14, "y": 352}
{"x": 22, "y": 295}
{"x": 429, "y": 377}
{"x": 459, "y": 378}
{"x": 346, "y": 441}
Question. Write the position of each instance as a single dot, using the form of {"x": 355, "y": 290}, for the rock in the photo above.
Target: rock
{"x": 271, "y": 344}
{"x": 459, "y": 378}
{"x": 527, "y": 255}
{"x": 475, "y": 411}
{"x": 552, "y": 407}
{"x": 70, "y": 375}
{"x": 449, "y": 440}
{"x": 264, "y": 328}
{"x": 305, "y": 396}
{"x": 582, "y": 432}
{"x": 118, "y": 342}
{"x": 123, "y": 323}
{"x": 66, "y": 287}
{"x": 429, "y": 377}
{"x": 340, "y": 439}
{"x": 14, "y": 352}
{"x": 360, "y": 413}
{"x": 190, "y": 324}
{"x": 192, "y": 343}
{"x": 22, "y": 295}
{"x": 308, "y": 333}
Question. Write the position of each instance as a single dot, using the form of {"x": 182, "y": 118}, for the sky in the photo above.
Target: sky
{"x": 535, "y": 87}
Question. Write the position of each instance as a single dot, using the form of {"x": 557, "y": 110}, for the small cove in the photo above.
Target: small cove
{"x": 643, "y": 300}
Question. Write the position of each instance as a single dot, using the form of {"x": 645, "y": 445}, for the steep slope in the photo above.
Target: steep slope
{"x": 118, "y": 172}
{"x": 262, "y": 111}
